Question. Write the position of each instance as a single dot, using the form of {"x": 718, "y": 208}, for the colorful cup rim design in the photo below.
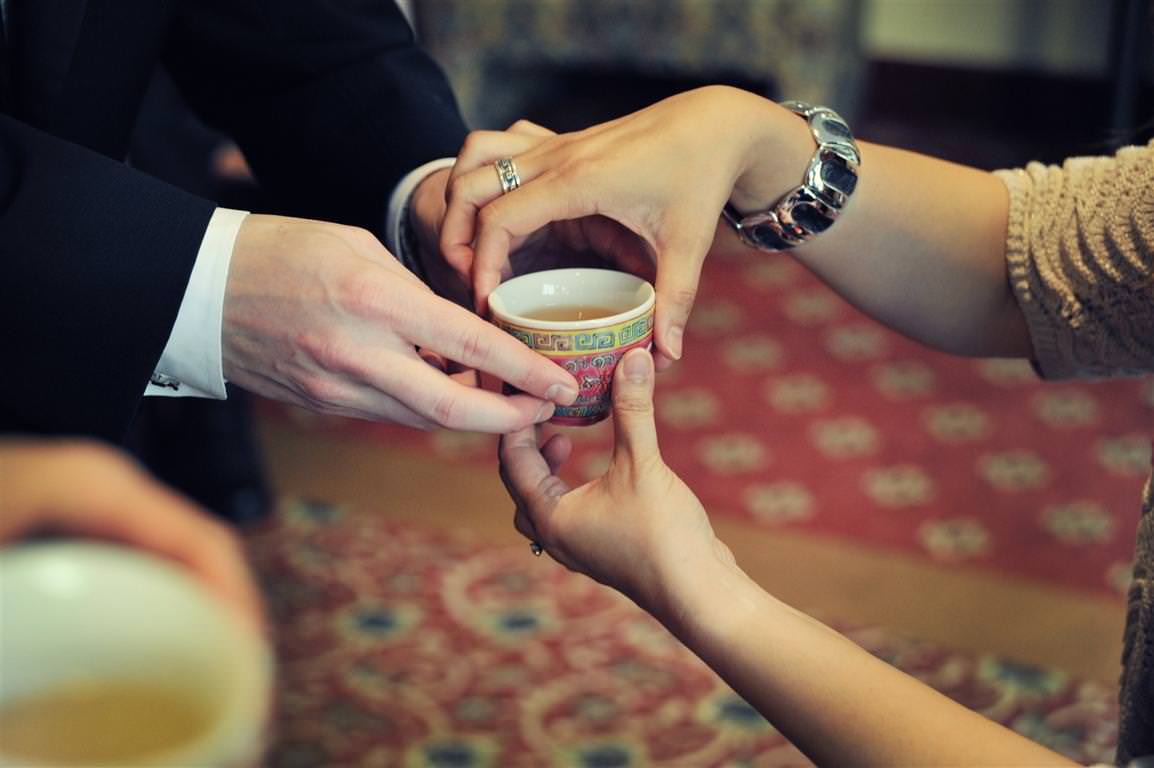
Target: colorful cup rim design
{"x": 564, "y": 344}
{"x": 497, "y": 302}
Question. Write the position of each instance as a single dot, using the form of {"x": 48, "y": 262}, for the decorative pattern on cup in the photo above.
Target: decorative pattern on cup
{"x": 589, "y": 348}
{"x": 591, "y": 357}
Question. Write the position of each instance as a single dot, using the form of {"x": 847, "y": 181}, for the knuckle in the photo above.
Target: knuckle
{"x": 329, "y": 353}
{"x": 587, "y": 165}
{"x": 321, "y": 391}
{"x": 359, "y": 236}
{"x": 472, "y": 144}
{"x": 458, "y": 258}
{"x": 552, "y": 487}
{"x": 328, "y": 350}
{"x": 457, "y": 189}
{"x": 683, "y": 297}
{"x": 649, "y": 465}
{"x": 579, "y": 167}
{"x": 363, "y": 296}
{"x": 446, "y": 411}
{"x": 634, "y": 405}
{"x": 474, "y": 349}
{"x": 575, "y": 177}
{"x": 490, "y": 216}
{"x": 529, "y": 127}
{"x": 530, "y": 379}
{"x": 569, "y": 140}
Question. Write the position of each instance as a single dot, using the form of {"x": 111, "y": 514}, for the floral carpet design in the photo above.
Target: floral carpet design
{"x": 792, "y": 409}
{"x": 404, "y": 646}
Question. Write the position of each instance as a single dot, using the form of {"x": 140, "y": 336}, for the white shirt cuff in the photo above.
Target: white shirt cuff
{"x": 191, "y": 364}
{"x": 399, "y": 205}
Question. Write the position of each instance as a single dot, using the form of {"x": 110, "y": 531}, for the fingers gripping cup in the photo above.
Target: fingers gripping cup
{"x": 585, "y": 320}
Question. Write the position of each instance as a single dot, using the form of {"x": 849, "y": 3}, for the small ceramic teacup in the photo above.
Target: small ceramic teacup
{"x": 109, "y": 656}
{"x": 584, "y": 320}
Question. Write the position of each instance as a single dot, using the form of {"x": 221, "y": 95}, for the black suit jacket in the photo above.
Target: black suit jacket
{"x": 331, "y": 101}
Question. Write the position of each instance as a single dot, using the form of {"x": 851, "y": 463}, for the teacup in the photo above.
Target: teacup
{"x": 109, "y": 656}
{"x": 584, "y": 320}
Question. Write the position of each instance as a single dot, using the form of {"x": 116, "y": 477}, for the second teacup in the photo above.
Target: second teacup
{"x": 109, "y": 656}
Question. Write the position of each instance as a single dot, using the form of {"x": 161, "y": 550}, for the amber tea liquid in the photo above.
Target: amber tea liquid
{"x": 570, "y": 313}
{"x": 101, "y": 723}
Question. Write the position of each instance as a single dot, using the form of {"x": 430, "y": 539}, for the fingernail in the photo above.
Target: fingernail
{"x": 675, "y": 334}
{"x": 561, "y": 394}
{"x": 638, "y": 367}
{"x": 544, "y": 413}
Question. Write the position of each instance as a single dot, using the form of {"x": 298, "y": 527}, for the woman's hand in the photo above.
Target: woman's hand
{"x": 85, "y": 489}
{"x": 920, "y": 247}
{"x": 638, "y": 529}
{"x": 591, "y": 241}
{"x": 663, "y": 173}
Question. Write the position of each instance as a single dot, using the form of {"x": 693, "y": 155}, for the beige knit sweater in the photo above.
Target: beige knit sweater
{"x": 1080, "y": 253}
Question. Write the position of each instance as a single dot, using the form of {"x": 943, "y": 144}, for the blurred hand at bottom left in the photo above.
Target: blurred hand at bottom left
{"x": 83, "y": 489}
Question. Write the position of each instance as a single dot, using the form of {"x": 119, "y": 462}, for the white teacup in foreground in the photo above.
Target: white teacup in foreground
{"x": 113, "y": 657}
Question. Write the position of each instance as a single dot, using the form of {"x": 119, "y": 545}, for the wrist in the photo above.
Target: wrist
{"x": 776, "y": 155}
{"x": 693, "y": 598}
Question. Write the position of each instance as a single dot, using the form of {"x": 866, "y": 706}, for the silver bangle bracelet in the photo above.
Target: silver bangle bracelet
{"x": 812, "y": 207}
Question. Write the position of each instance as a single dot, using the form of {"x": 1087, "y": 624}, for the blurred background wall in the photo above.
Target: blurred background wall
{"x": 986, "y": 82}
{"x": 1060, "y": 36}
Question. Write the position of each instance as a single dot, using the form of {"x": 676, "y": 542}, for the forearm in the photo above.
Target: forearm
{"x": 834, "y": 701}
{"x": 94, "y": 260}
{"x": 920, "y": 246}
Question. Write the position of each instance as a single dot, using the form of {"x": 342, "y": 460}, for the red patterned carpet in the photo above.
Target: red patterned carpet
{"x": 792, "y": 409}
{"x": 400, "y": 646}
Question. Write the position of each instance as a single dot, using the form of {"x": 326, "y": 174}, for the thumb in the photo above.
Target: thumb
{"x": 634, "y": 429}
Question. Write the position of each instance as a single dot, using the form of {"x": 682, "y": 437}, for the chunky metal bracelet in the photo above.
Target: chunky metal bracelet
{"x": 812, "y": 207}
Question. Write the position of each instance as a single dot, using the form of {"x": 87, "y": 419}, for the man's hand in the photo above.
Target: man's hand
{"x": 321, "y": 315}
{"x": 87, "y": 489}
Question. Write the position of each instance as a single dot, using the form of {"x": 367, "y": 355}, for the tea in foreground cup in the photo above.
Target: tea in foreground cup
{"x": 109, "y": 656}
{"x": 585, "y": 320}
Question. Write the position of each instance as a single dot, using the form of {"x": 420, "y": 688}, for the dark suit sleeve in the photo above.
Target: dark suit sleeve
{"x": 94, "y": 260}
{"x": 332, "y": 101}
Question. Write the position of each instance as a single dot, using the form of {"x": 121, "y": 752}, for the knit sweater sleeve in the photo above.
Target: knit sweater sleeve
{"x": 1080, "y": 254}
